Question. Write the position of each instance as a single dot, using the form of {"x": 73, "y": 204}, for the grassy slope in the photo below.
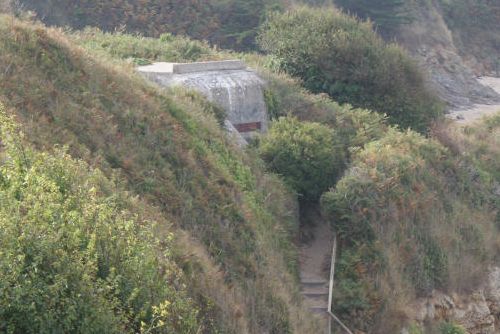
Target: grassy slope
{"x": 359, "y": 300}
{"x": 194, "y": 178}
{"x": 74, "y": 264}
{"x": 168, "y": 151}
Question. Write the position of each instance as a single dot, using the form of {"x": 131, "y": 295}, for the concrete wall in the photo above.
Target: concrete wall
{"x": 227, "y": 83}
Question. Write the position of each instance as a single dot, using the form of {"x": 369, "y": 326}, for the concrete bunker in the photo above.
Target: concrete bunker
{"x": 229, "y": 84}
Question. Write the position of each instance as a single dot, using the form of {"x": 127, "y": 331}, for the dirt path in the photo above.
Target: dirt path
{"x": 315, "y": 257}
{"x": 466, "y": 116}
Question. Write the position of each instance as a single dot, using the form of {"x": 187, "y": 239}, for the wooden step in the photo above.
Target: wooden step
{"x": 318, "y": 309}
{"x": 315, "y": 294}
{"x": 313, "y": 282}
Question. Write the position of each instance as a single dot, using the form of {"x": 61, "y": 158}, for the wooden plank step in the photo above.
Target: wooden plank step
{"x": 313, "y": 282}
{"x": 318, "y": 309}
{"x": 315, "y": 293}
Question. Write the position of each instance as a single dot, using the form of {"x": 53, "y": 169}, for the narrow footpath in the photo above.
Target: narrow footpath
{"x": 315, "y": 257}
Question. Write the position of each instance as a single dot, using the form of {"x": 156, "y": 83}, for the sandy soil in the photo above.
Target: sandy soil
{"x": 478, "y": 111}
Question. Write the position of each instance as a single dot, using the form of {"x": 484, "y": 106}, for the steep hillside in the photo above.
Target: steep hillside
{"x": 434, "y": 41}
{"x": 454, "y": 40}
{"x": 478, "y": 40}
{"x": 72, "y": 244}
{"x": 166, "y": 148}
{"x": 414, "y": 217}
{"x": 227, "y": 23}
{"x": 338, "y": 55}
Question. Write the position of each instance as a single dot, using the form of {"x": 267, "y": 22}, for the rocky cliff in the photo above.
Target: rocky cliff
{"x": 477, "y": 312}
{"x": 453, "y": 72}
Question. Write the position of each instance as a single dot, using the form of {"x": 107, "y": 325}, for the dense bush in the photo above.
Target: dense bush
{"x": 165, "y": 148}
{"x": 307, "y": 155}
{"x": 429, "y": 215}
{"x": 451, "y": 328}
{"x": 74, "y": 258}
{"x": 387, "y": 15}
{"x": 143, "y": 50}
{"x": 338, "y": 55}
{"x": 240, "y": 20}
{"x": 227, "y": 23}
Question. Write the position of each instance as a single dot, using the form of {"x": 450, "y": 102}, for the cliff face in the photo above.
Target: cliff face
{"x": 477, "y": 312}
{"x": 439, "y": 48}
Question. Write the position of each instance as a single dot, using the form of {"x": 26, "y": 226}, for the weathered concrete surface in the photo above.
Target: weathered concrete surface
{"x": 227, "y": 83}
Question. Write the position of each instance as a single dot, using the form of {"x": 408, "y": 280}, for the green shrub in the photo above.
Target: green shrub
{"x": 74, "y": 258}
{"x": 164, "y": 149}
{"x": 338, "y": 55}
{"x": 431, "y": 219}
{"x": 306, "y": 154}
{"x": 415, "y": 329}
{"x": 451, "y": 328}
{"x": 228, "y": 23}
{"x": 285, "y": 97}
{"x": 142, "y": 50}
{"x": 239, "y": 21}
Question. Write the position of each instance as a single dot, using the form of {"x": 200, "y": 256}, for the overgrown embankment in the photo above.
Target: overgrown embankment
{"x": 340, "y": 56}
{"x": 413, "y": 217}
{"x": 409, "y": 208}
{"x": 227, "y": 23}
{"x": 167, "y": 148}
{"x": 80, "y": 254}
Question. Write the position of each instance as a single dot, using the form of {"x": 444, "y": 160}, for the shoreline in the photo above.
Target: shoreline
{"x": 477, "y": 111}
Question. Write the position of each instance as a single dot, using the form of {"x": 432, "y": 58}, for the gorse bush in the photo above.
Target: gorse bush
{"x": 74, "y": 258}
{"x": 307, "y": 155}
{"x": 338, "y": 55}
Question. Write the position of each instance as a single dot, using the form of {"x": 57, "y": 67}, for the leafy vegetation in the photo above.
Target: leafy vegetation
{"x": 226, "y": 23}
{"x": 167, "y": 148}
{"x": 77, "y": 254}
{"x": 412, "y": 217}
{"x": 139, "y": 49}
{"x": 340, "y": 56}
{"x": 307, "y": 155}
{"x": 210, "y": 228}
{"x": 240, "y": 20}
{"x": 451, "y": 328}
